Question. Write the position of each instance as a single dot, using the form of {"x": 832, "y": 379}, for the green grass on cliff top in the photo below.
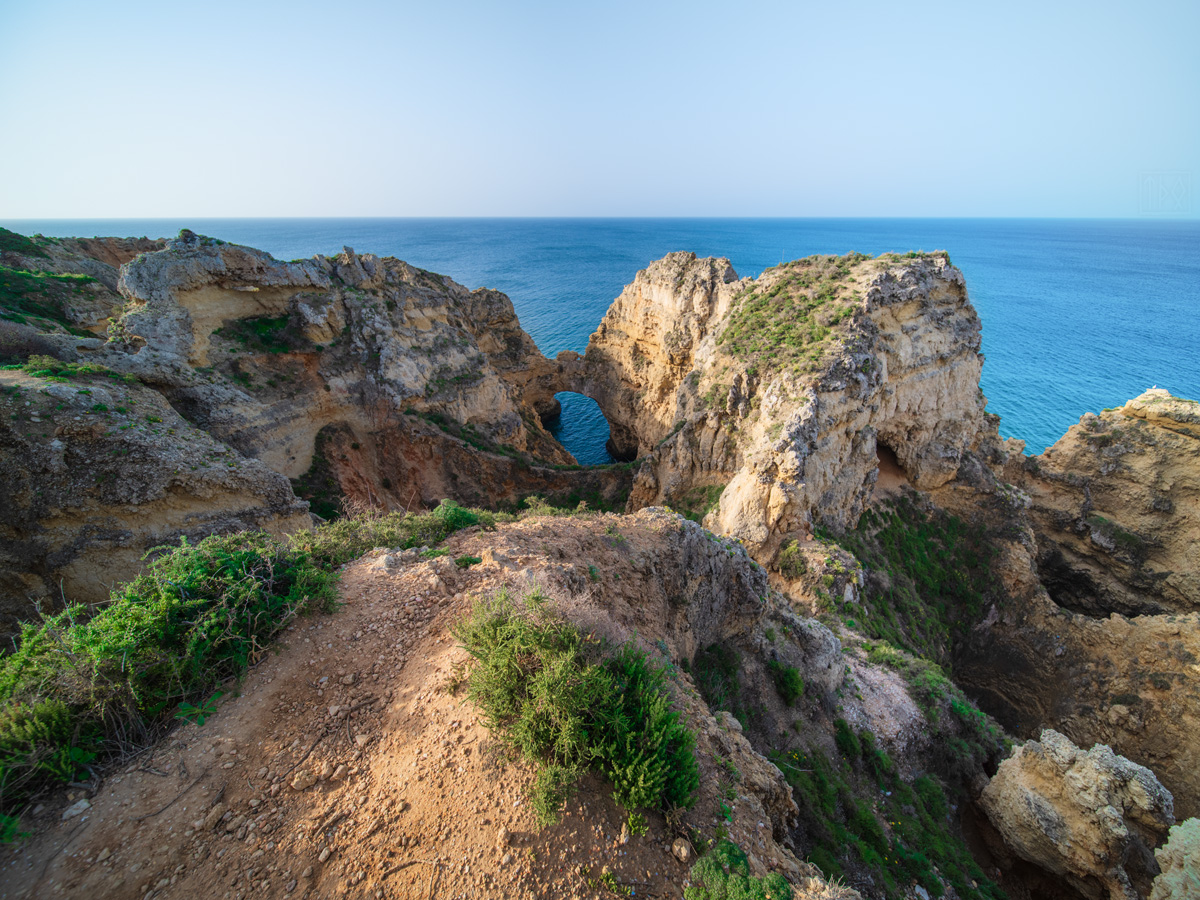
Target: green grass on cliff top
{"x": 785, "y": 318}
{"x": 89, "y": 686}
{"x": 12, "y": 242}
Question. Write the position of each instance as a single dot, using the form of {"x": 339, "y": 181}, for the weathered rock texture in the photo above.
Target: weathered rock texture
{"x": 356, "y": 377}
{"x": 1116, "y": 506}
{"x": 1179, "y": 860}
{"x": 88, "y": 304}
{"x": 96, "y": 472}
{"x": 1090, "y": 817}
{"x": 1082, "y": 550}
{"x": 889, "y": 357}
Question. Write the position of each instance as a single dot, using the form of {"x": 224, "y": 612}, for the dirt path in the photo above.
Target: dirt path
{"x": 348, "y": 767}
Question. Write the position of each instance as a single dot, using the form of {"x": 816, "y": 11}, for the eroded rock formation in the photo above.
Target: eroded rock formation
{"x": 782, "y": 389}
{"x": 1091, "y": 817}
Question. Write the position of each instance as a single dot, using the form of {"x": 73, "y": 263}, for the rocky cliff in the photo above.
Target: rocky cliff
{"x": 779, "y": 394}
{"x": 355, "y": 377}
{"x": 229, "y": 388}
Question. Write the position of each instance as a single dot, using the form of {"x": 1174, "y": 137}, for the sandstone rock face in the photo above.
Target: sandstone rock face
{"x": 1179, "y": 860}
{"x": 354, "y": 341}
{"x": 96, "y": 472}
{"x": 355, "y": 377}
{"x": 1088, "y": 817}
{"x": 892, "y": 359}
{"x": 1116, "y": 506}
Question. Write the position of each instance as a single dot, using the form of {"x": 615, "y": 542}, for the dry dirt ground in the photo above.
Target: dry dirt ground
{"x": 347, "y": 764}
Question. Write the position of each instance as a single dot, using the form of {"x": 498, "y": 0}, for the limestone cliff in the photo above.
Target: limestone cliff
{"x": 355, "y": 377}
{"x": 784, "y": 390}
{"x": 1116, "y": 506}
{"x": 97, "y": 471}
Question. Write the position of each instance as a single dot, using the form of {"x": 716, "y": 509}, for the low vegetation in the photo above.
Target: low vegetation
{"x": 12, "y": 242}
{"x": 83, "y": 687}
{"x": 570, "y": 704}
{"x": 698, "y": 502}
{"x": 724, "y": 874}
{"x": 264, "y": 334}
{"x": 56, "y": 370}
{"x": 928, "y": 579}
{"x": 863, "y": 822}
{"x": 784, "y": 320}
{"x": 39, "y": 298}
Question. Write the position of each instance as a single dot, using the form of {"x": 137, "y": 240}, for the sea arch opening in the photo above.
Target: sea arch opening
{"x": 581, "y": 427}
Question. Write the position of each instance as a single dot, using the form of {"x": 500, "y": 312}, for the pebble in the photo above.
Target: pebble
{"x": 324, "y": 855}
{"x": 103, "y": 855}
{"x": 304, "y": 780}
{"x": 682, "y": 850}
{"x": 76, "y": 809}
{"x": 502, "y": 837}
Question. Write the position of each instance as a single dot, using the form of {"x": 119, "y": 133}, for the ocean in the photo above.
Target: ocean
{"x": 1078, "y": 315}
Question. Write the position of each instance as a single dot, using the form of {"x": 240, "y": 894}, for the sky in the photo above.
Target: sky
{"x": 456, "y": 108}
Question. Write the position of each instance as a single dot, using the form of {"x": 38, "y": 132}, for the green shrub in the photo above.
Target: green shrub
{"x": 938, "y": 577}
{"x": 724, "y": 874}
{"x": 787, "y": 680}
{"x": 78, "y": 687}
{"x": 83, "y": 685}
{"x": 345, "y": 539}
{"x": 792, "y": 563}
{"x": 715, "y": 671}
{"x": 560, "y": 700}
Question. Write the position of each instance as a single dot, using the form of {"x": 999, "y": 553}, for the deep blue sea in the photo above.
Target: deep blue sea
{"x": 1078, "y": 315}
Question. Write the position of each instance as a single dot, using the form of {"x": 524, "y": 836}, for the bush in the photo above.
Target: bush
{"x": 792, "y": 563}
{"x": 78, "y": 687}
{"x": 84, "y": 686}
{"x": 724, "y": 874}
{"x": 787, "y": 680}
{"x": 561, "y": 701}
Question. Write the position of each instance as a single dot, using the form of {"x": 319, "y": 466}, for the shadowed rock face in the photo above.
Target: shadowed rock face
{"x": 1116, "y": 507}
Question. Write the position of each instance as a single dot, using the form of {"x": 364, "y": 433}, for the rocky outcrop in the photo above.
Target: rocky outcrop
{"x": 96, "y": 472}
{"x": 1179, "y": 860}
{"x": 784, "y": 388}
{"x": 355, "y": 377}
{"x": 81, "y": 302}
{"x": 1116, "y": 507}
{"x": 1090, "y": 817}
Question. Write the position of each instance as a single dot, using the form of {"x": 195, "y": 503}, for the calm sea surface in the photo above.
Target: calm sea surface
{"x": 1078, "y": 315}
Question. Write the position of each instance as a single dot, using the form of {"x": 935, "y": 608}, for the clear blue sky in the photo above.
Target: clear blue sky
{"x": 452, "y": 108}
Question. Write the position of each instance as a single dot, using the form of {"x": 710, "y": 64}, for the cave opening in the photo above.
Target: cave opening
{"x": 580, "y": 426}
{"x": 892, "y": 475}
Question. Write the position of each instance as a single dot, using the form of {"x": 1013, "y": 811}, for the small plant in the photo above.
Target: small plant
{"x": 787, "y": 680}
{"x": 724, "y": 874}
{"x": 593, "y": 573}
{"x": 638, "y": 825}
{"x": 792, "y": 563}
{"x": 10, "y": 829}
{"x": 466, "y": 561}
{"x": 562, "y": 700}
{"x": 198, "y": 714}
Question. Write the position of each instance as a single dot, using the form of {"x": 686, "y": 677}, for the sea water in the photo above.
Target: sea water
{"x": 1078, "y": 315}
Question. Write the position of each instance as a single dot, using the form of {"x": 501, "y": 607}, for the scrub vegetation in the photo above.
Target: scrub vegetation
{"x": 569, "y": 703}
{"x": 87, "y": 686}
